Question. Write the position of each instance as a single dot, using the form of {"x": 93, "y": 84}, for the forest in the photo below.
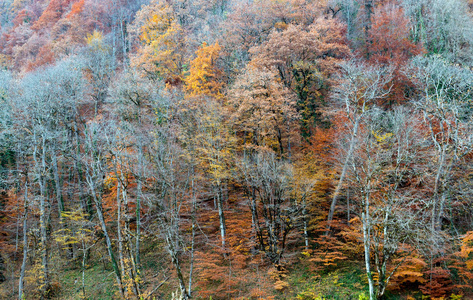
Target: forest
{"x": 244, "y": 149}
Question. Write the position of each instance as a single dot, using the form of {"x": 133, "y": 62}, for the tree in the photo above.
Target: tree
{"x": 444, "y": 102}
{"x": 388, "y": 161}
{"x": 99, "y": 65}
{"x": 204, "y": 76}
{"x": 161, "y": 54}
{"x": 43, "y": 112}
{"x": 443, "y": 27}
{"x": 359, "y": 88}
{"x": 210, "y": 146}
{"x": 171, "y": 198}
{"x": 268, "y": 182}
{"x": 52, "y": 14}
{"x": 132, "y": 99}
{"x": 389, "y": 44}
{"x": 264, "y": 111}
{"x": 303, "y": 59}
{"x": 94, "y": 161}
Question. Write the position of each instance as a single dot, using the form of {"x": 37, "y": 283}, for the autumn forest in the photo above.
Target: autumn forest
{"x": 236, "y": 149}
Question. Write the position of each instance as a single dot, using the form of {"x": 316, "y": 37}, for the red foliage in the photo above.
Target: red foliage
{"x": 389, "y": 36}
{"x": 23, "y": 16}
{"x": 389, "y": 44}
{"x": 44, "y": 57}
{"x": 439, "y": 283}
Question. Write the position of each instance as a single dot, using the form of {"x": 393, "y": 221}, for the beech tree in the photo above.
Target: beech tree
{"x": 95, "y": 167}
{"x": 264, "y": 111}
{"x": 389, "y": 45}
{"x": 172, "y": 190}
{"x": 161, "y": 56}
{"x": 42, "y": 112}
{"x": 204, "y": 76}
{"x": 196, "y": 148}
{"x": 303, "y": 59}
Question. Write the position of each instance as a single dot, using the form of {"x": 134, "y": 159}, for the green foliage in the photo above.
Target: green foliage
{"x": 363, "y": 297}
{"x": 341, "y": 284}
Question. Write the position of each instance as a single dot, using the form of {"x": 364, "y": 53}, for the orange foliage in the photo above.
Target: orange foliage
{"x": 230, "y": 272}
{"x": 264, "y": 111}
{"x": 410, "y": 272}
{"x": 76, "y": 9}
{"x": 330, "y": 250}
{"x": 127, "y": 181}
{"x": 304, "y": 58}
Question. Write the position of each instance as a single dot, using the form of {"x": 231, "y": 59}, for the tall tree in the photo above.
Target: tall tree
{"x": 359, "y": 88}
{"x": 264, "y": 111}
{"x": 268, "y": 183}
{"x": 304, "y": 59}
{"x": 161, "y": 54}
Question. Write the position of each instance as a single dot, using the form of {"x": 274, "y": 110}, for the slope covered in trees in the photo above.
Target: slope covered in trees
{"x": 264, "y": 149}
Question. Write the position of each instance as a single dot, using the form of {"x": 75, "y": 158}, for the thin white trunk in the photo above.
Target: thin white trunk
{"x": 343, "y": 174}
{"x": 366, "y": 243}
{"x": 221, "y": 215}
{"x": 25, "y": 244}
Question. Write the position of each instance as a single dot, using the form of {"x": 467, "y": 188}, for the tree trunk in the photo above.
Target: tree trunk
{"x": 25, "y": 244}
{"x": 41, "y": 172}
{"x": 342, "y": 176}
{"x": 98, "y": 205}
{"x": 221, "y": 216}
{"x": 366, "y": 243}
{"x": 138, "y": 208}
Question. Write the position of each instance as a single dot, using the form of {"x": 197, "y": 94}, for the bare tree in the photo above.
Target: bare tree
{"x": 172, "y": 195}
{"x": 445, "y": 92}
{"x": 268, "y": 186}
{"x": 389, "y": 159}
{"x": 94, "y": 159}
{"x": 131, "y": 99}
{"x": 45, "y": 102}
{"x": 443, "y": 26}
{"x": 358, "y": 89}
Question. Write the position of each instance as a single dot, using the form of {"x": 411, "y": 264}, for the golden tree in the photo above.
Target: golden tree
{"x": 205, "y": 78}
{"x": 160, "y": 56}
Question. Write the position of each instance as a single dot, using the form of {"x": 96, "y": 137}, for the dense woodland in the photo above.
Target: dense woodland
{"x": 245, "y": 149}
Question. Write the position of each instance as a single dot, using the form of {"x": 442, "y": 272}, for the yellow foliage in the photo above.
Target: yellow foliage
{"x": 5, "y": 61}
{"x": 95, "y": 37}
{"x": 162, "y": 36}
{"x": 381, "y": 138}
{"x": 75, "y": 232}
{"x": 467, "y": 249}
{"x": 95, "y": 40}
{"x": 204, "y": 77}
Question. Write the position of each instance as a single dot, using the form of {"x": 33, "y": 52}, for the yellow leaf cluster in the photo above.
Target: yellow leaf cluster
{"x": 95, "y": 40}
{"x": 161, "y": 35}
{"x": 204, "y": 76}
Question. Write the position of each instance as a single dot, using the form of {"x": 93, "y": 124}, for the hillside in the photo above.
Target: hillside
{"x": 247, "y": 149}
